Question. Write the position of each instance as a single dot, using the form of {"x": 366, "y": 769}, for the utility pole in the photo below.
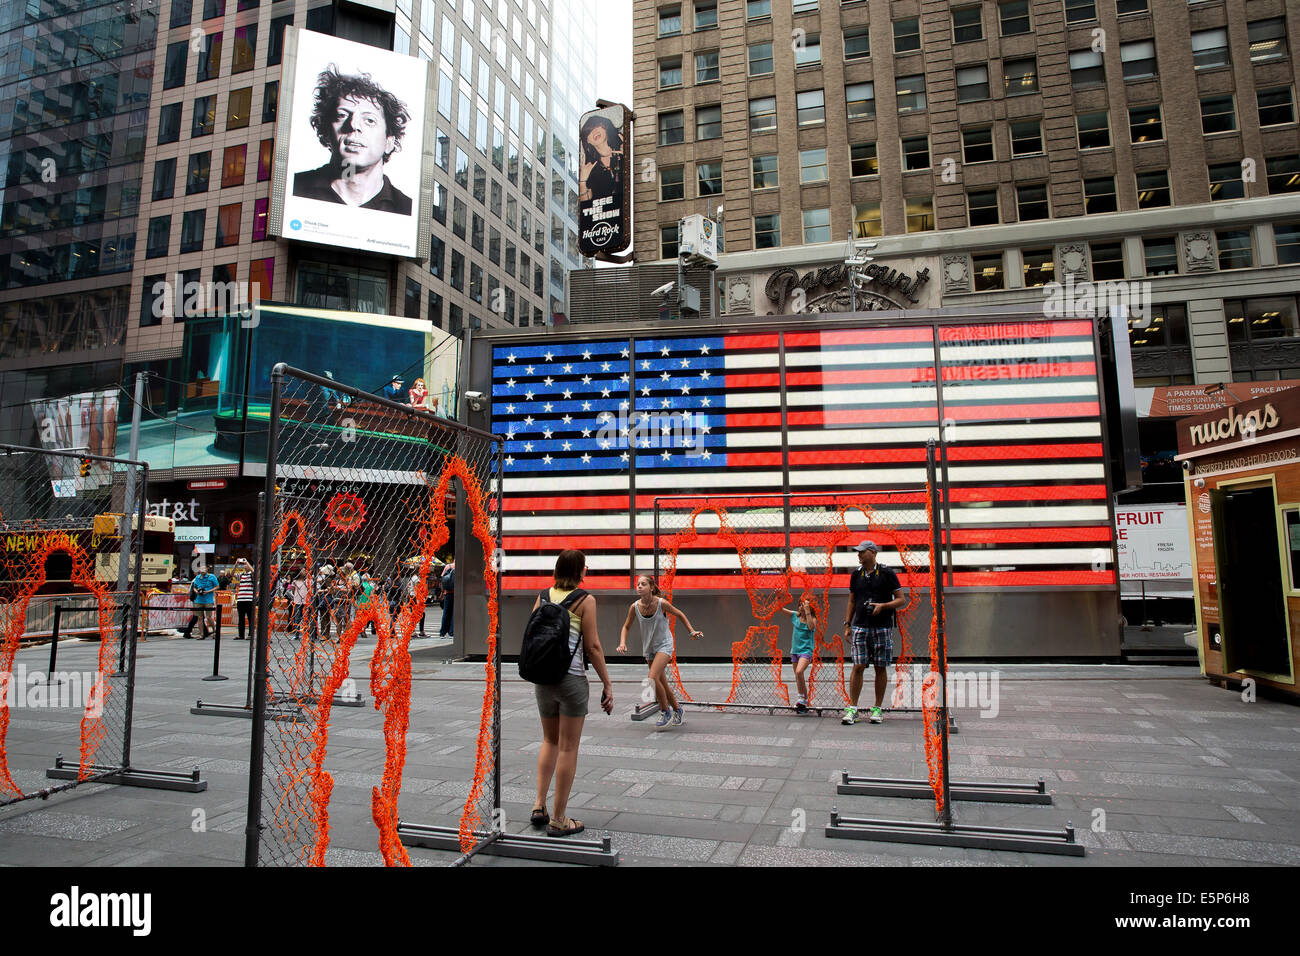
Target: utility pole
{"x": 129, "y": 504}
{"x": 855, "y": 258}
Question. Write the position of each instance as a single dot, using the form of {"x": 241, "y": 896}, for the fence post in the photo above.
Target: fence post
{"x": 54, "y": 649}
{"x": 216, "y": 645}
{"x": 941, "y": 650}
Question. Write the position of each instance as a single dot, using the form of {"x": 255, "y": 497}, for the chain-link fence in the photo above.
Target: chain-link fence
{"x": 783, "y": 548}
{"x": 72, "y": 563}
{"x": 358, "y": 496}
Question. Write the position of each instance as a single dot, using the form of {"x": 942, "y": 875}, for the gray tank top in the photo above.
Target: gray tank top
{"x": 654, "y": 629}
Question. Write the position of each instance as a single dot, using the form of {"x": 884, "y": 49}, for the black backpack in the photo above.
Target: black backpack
{"x": 545, "y": 657}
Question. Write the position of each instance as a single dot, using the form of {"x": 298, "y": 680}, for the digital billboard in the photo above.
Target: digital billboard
{"x": 604, "y": 187}
{"x": 85, "y": 421}
{"x": 353, "y": 119}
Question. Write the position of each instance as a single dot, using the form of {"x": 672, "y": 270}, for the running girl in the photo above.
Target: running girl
{"x": 650, "y": 613}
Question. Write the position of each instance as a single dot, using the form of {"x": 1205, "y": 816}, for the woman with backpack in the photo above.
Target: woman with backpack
{"x": 650, "y": 613}
{"x": 563, "y": 705}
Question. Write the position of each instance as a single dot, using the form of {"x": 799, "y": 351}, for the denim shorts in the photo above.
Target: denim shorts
{"x": 568, "y": 698}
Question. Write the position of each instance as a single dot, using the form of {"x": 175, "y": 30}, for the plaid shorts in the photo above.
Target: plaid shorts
{"x": 872, "y": 645}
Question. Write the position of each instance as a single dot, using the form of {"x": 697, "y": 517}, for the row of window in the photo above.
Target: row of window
{"x": 199, "y": 168}
{"x": 194, "y": 224}
{"x": 203, "y": 122}
{"x": 82, "y": 259}
{"x": 209, "y": 53}
{"x": 260, "y": 279}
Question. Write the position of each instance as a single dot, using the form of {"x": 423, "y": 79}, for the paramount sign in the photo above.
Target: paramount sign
{"x": 826, "y": 289}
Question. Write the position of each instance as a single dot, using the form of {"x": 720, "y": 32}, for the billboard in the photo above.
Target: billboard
{"x": 604, "y": 186}
{"x": 1154, "y": 546}
{"x": 353, "y": 119}
{"x": 86, "y": 422}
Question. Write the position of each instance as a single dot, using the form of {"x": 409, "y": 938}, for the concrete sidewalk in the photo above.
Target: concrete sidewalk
{"x": 1179, "y": 772}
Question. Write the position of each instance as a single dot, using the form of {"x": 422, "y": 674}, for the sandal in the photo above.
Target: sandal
{"x": 570, "y": 827}
{"x": 540, "y": 817}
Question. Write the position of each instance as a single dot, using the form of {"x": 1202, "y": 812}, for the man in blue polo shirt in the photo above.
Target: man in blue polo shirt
{"x": 874, "y": 593}
{"x": 204, "y": 588}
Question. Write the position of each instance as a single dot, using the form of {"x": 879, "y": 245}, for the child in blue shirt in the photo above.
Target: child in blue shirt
{"x": 801, "y": 647}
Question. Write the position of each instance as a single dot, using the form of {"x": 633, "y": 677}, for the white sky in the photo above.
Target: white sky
{"x": 614, "y": 51}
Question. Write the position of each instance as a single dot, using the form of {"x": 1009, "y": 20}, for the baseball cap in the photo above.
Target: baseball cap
{"x": 867, "y": 546}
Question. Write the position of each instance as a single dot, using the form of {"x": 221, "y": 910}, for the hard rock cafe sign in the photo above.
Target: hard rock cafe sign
{"x": 880, "y": 286}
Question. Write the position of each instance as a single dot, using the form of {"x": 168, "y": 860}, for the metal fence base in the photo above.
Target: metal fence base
{"x": 981, "y": 792}
{"x": 522, "y": 846}
{"x": 134, "y": 777}
{"x": 233, "y": 710}
{"x": 311, "y": 700}
{"x": 1057, "y": 842}
{"x": 645, "y": 711}
{"x": 784, "y": 708}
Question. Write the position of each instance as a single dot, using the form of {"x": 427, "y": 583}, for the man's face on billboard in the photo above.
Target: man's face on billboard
{"x": 360, "y": 133}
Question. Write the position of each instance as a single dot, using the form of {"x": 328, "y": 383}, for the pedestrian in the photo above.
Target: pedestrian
{"x": 364, "y": 592}
{"x": 298, "y": 602}
{"x": 203, "y": 592}
{"x": 563, "y": 706}
{"x": 244, "y": 595}
{"x": 801, "y": 647}
{"x": 447, "y": 629}
{"x": 874, "y": 593}
{"x": 650, "y": 613}
{"x": 393, "y": 594}
{"x": 324, "y": 612}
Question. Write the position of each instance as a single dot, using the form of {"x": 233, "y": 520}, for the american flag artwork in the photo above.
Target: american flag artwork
{"x": 597, "y": 430}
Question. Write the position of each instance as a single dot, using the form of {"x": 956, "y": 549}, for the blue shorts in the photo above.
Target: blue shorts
{"x": 796, "y": 658}
{"x": 872, "y": 645}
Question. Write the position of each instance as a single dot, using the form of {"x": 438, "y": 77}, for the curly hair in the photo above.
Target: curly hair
{"x": 612, "y": 136}
{"x": 332, "y": 86}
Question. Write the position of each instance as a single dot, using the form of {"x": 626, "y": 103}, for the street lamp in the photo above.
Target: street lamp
{"x": 855, "y": 258}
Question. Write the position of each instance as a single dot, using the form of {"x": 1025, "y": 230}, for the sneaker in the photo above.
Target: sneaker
{"x": 876, "y": 716}
{"x": 801, "y": 706}
{"x": 677, "y": 717}
{"x": 850, "y": 716}
{"x": 665, "y": 718}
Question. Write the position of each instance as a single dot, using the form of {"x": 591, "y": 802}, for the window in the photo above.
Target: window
{"x": 986, "y": 270}
{"x": 670, "y": 72}
{"x": 1099, "y": 195}
{"x": 270, "y": 102}
{"x": 210, "y": 58}
{"x": 907, "y": 35}
{"x": 476, "y": 231}
{"x": 196, "y": 177}
{"x": 1168, "y": 326}
{"x": 1138, "y": 59}
{"x": 459, "y": 217}
{"x": 866, "y": 220}
{"x": 805, "y": 6}
{"x": 476, "y": 283}
{"x": 1125, "y": 7}
{"x": 1013, "y": 17}
{"x": 816, "y": 225}
{"x": 1094, "y": 130}
{"x": 920, "y": 213}
{"x": 916, "y": 153}
{"x": 169, "y": 123}
{"x": 861, "y": 99}
{"x": 812, "y": 166}
{"x": 1107, "y": 260}
{"x": 1020, "y": 76}
{"x": 862, "y": 160}
{"x": 706, "y": 67}
{"x": 160, "y": 236}
{"x": 762, "y": 114}
{"x": 232, "y": 165}
{"x": 494, "y": 246}
{"x": 1086, "y": 69}
{"x": 709, "y": 177}
{"x": 213, "y": 9}
{"x": 672, "y": 128}
{"x": 967, "y": 24}
{"x": 910, "y": 91}
{"x": 245, "y": 48}
{"x": 807, "y": 50}
{"x": 1076, "y": 11}
{"x": 1262, "y": 318}
{"x": 1267, "y": 39}
{"x": 181, "y": 13}
{"x": 765, "y": 172}
{"x": 1225, "y": 181}
{"x": 480, "y": 184}
{"x": 706, "y": 15}
{"x": 275, "y": 47}
{"x": 205, "y": 117}
{"x": 1287, "y": 237}
{"x": 972, "y": 84}
{"x": 857, "y": 43}
{"x": 228, "y": 225}
{"x": 977, "y": 145}
{"x": 192, "y": 226}
{"x": 672, "y": 183}
{"x": 760, "y": 59}
{"x": 708, "y": 122}
{"x": 670, "y": 21}
{"x": 1144, "y": 125}
{"x": 1153, "y": 189}
{"x": 1031, "y": 202}
{"x": 1275, "y": 106}
{"x": 238, "y": 108}
{"x": 265, "y": 158}
{"x": 1040, "y": 266}
{"x": 178, "y": 59}
{"x": 767, "y": 231}
{"x": 758, "y": 9}
{"x": 1283, "y": 174}
{"x": 811, "y": 107}
{"x": 1217, "y": 114}
{"x": 668, "y": 241}
{"x": 1026, "y": 138}
{"x": 982, "y": 207}
{"x": 164, "y": 179}
{"x": 457, "y": 271}
{"x": 1235, "y": 250}
{"x": 1160, "y": 256}
{"x": 1209, "y": 48}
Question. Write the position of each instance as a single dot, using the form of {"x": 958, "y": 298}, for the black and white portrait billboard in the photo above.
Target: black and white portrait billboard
{"x": 354, "y": 117}
{"x": 604, "y": 182}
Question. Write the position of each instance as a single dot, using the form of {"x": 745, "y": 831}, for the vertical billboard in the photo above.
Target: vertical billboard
{"x": 350, "y": 146}
{"x": 604, "y": 186}
{"x": 86, "y": 422}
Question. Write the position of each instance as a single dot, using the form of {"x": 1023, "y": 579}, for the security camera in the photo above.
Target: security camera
{"x": 664, "y": 290}
{"x": 1199, "y": 482}
{"x": 477, "y": 401}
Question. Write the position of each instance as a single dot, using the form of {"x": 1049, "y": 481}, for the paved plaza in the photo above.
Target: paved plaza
{"x": 1151, "y": 764}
